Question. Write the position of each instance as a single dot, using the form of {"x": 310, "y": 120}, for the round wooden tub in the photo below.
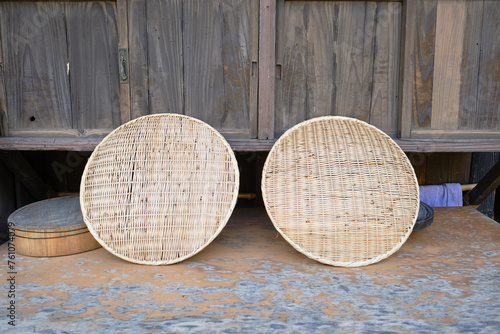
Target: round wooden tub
{"x": 52, "y": 227}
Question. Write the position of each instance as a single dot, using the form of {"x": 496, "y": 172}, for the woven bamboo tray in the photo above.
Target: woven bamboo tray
{"x": 340, "y": 191}
{"x": 52, "y": 227}
{"x": 159, "y": 189}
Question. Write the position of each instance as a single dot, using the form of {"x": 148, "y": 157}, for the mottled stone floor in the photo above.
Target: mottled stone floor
{"x": 444, "y": 279}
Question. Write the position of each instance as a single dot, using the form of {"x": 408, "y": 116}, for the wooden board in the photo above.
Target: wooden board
{"x": 338, "y": 58}
{"x": 93, "y": 65}
{"x": 451, "y": 89}
{"x": 35, "y": 56}
{"x": 60, "y": 69}
{"x": 195, "y": 58}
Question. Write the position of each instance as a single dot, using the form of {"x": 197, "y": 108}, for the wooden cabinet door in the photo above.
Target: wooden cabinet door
{"x": 59, "y": 69}
{"x": 451, "y": 70}
{"x": 196, "y": 58}
{"x": 338, "y": 58}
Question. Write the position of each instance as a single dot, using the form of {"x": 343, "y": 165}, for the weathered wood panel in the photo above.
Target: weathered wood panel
{"x": 488, "y": 110}
{"x": 4, "y": 129}
{"x": 450, "y": 28}
{"x": 456, "y": 52}
{"x": 60, "y": 69}
{"x": 338, "y": 58}
{"x": 93, "y": 65}
{"x": 267, "y": 70}
{"x": 35, "y": 58}
{"x": 165, "y": 56}
{"x": 138, "y": 59}
{"x": 194, "y": 58}
{"x": 424, "y": 62}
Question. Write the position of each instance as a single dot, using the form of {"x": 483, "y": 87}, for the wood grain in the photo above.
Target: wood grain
{"x": 338, "y": 58}
{"x": 470, "y": 64}
{"x": 267, "y": 70}
{"x": 138, "y": 59}
{"x": 165, "y": 52}
{"x": 385, "y": 79}
{"x": 122, "y": 26}
{"x": 195, "y": 58}
{"x": 407, "y": 68}
{"x": 4, "y": 120}
{"x": 35, "y": 57}
{"x": 93, "y": 65}
{"x": 450, "y": 29}
{"x": 217, "y": 62}
{"x": 488, "y": 111}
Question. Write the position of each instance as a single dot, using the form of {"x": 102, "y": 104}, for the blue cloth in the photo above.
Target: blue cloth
{"x": 447, "y": 194}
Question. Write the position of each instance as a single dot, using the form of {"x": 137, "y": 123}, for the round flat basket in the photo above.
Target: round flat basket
{"x": 340, "y": 191}
{"x": 159, "y": 189}
{"x": 52, "y": 227}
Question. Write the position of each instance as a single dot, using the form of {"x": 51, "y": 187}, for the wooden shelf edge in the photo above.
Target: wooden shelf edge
{"x": 450, "y": 145}
{"x": 246, "y": 145}
{"x": 89, "y": 144}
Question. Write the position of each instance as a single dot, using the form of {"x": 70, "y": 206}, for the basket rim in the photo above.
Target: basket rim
{"x": 223, "y": 222}
{"x": 310, "y": 255}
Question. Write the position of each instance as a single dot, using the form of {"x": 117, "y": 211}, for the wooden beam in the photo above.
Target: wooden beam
{"x": 488, "y": 183}
{"x": 244, "y": 145}
{"x": 267, "y": 68}
{"x": 443, "y": 145}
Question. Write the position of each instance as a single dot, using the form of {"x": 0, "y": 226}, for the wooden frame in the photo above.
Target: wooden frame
{"x": 452, "y": 86}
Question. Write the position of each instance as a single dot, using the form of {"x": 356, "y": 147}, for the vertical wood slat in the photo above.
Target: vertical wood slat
{"x": 384, "y": 107}
{"x": 488, "y": 109}
{"x": 354, "y": 68}
{"x": 194, "y": 58}
{"x": 165, "y": 54}
{"x": 4, "y": 120}
{"x": 450, "y": 28}
{"x": 470, "y": 64}
{"x": 217, "y": 64}
{"x": 93, "y": 63}
{"x": 34, "y": 65}
{"x": 407, "y": 67}
{"x": 138, "y": 58}
{"x": 267, "y": 70}
{"x": 338, "y": 58}
{"x": 454, "y": 59}
{"x": 122, "y": 23}
{"x": 254, "y": 69}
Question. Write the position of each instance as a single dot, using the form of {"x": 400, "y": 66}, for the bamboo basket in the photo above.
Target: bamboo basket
{"x": 340, "y": 191}
{"x": 52, "y": 227}
{"x": 159, "y": 189}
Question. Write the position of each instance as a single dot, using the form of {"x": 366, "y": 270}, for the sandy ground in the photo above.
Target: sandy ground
{"x": 445, "y": 278}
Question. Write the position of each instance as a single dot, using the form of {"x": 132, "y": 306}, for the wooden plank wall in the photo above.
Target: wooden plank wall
{"x": 59, "y": 68}
{"x": 338, "y": 58}
{"x": 429, "y": 69}
{"x": 455, "y": 60}
{"x": 195, "y": 58}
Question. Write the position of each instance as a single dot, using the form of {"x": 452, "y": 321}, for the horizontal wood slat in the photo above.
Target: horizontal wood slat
{"x": 246, "y": 145}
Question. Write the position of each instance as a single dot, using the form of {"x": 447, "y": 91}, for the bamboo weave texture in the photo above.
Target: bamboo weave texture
{"x": 159, "y": 189}
{"x": 340, "y": 191}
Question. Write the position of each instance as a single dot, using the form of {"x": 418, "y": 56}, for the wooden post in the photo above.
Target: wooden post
{"x": 267, "y": 70}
